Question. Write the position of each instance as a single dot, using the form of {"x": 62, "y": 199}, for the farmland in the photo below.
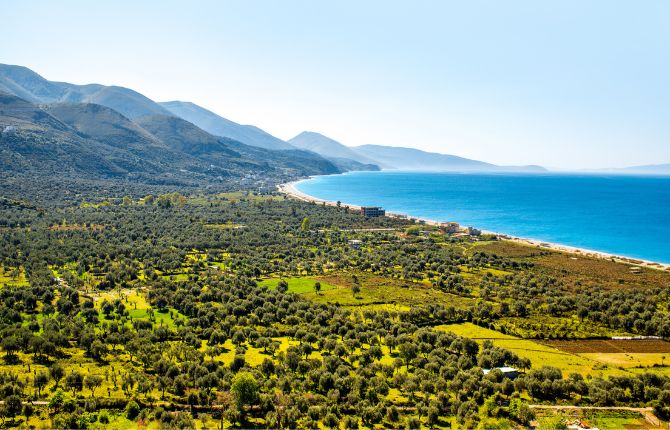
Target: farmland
{"x": 538, "y": 353}
{"x": 155, "y": 319}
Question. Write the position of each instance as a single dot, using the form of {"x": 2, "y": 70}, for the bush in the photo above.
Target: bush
{"x": 330, "y": 420}
{"x": 351, "y": 422}
{"x": 132, "y": 410}
{"x": 412, "y": 423}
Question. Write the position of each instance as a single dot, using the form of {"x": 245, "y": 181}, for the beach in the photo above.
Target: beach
{"x": 291, "y": 190}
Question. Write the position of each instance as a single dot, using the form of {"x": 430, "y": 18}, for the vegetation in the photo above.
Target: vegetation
{"x": 241, "y": 310}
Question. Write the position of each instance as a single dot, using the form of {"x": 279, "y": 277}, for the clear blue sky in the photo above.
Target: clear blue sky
{"x": 559, "y": 83}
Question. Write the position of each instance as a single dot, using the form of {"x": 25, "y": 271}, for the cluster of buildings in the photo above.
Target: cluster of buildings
{"x": 446, "y": 227}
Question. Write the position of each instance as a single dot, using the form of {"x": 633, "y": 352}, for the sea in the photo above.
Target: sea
{"x": 617, "y": 214}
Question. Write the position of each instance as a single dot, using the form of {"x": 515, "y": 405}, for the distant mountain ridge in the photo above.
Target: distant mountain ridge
{"x": 219, "y": 126}
{"x": 126, "y": 119}
{"x": 415, "y": 159}
{"x": 96, "y": 131}
{"x": 89, "y": 141}
{"x": 32, "y": 87}
{"x": 399, "y": 158}
{"x": 327, "y": 147}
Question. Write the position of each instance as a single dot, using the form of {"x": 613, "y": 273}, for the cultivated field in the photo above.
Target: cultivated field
{"x": 610, "y": 346}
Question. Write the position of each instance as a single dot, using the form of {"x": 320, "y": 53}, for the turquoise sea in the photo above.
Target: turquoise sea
{"x": 622, "y": 215}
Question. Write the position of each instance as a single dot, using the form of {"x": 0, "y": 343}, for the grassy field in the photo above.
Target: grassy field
{"x": 602, "y": 419}
{"x": 648, "y": 355}
{"x": 615, "y": 420}
{"x": 138, "y": 308}
{"x": 298, "y": 285}
{"x": 377, "y": 290}
{"x": 561, "y": 326}
{"x": 579, "y": 269}
{"x": 226, "y": 226}
{"x": 624, "y": 359}
{"x": 7, "y": 277}
{"x": 538, "y": 353}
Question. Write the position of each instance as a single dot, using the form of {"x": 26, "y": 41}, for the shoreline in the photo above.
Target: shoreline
{"x": 290, "y": 189}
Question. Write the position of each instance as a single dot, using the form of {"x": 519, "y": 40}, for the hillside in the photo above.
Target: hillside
{"x": 33, "y": 141}
{"x": 100, "y": 122}
{"x": 32, "y": 87}
{"x": 185, "y": 137}
{"x": 88, "y": 141}
{"x": 219, "y": 126}
{"x": 389, "y": 157}
{"x": 327, "y": 147}
{"x": 414, "y": 159}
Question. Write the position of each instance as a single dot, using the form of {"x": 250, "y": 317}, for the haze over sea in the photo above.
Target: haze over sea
{"x": 622, "y": 215}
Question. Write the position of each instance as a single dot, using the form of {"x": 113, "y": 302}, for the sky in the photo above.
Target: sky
{"x": 564, "y": 84}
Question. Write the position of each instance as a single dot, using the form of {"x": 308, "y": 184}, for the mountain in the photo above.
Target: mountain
{"x": 32, "y": 140}
{"x": 88, "y": 141}
{"x": 414, "y": 159}
{"x": 349, "y": 165}
{"x": 100, "y": 123}
{"x": 184, "y": 136}
{"x": 118, "y": 122}
{"x": 219, "y": 126}
{"x": 28, "y": 85}
{"x": 327, "y": 147}
{"x": 105, "y": 126}
{"x": 32, "y": 87}
{"x": 343, "y": 156}
{"x": 390, "y": 157}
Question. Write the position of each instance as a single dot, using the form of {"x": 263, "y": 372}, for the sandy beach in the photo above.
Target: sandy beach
{"x": 291, "y": 190}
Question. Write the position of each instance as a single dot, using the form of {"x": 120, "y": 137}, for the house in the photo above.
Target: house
{"x": 372, "y": 211}
{"x": 508, "y": 372}
{"x": 450, "y": 227}
{"x": 355, "y": 243}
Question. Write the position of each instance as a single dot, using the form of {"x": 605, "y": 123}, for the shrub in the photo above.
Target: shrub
{"x": 132, "y": 410}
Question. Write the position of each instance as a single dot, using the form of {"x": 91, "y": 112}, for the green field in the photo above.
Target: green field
{"x": 12, "y": 278}
{"x": 602, "y": 419}
{"x": 380, "y": 291}
{"x": 298, "y": 285}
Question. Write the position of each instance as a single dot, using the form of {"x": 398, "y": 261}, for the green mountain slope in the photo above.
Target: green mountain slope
{"x": 82, "y": 140}
{"x": 184, "y": 136}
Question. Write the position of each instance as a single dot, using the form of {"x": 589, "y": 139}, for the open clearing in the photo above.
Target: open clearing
{"x": 298, "y": 285}
{"x": 538, "y": 353}
{"x": 610, "y": 346}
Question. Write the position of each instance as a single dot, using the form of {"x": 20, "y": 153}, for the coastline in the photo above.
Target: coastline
{"x": 290, "y": 189}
